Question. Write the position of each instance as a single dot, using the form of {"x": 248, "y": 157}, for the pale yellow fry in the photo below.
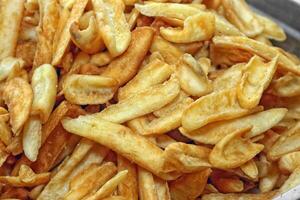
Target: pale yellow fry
{"x": 88, "y": 89}
{"x": 44, "y": 83}
{"x": 250, "y": 169}
{"x": 251, "y": 47}
{"x": 289, "y": 162}
{"x": 260, "y": 122}
{"x": 239, "y": 196}
{"x": 287, "y": 86}
{"x": 147, "y": 189}
{"x": 132, "y": 17}
{"x": 10, "y": 65}
{"x": 192, "y": 77}
{"x": 113, "y": 26}
{"x": 164, "y": 140}
{"x": 189, "y": 186}
{"x": 196, "y": 28}
{"x": 32, "y": 137}
{"x": 233, "y": 151}
{"x": 162, "y": 189}
{"x": 214, "y": 107}
{"x": 223, "y": 27}
{"x": 128, "y": 188}
{"x": 291, "y": 182}
{"x": 101, "y": 59}
{"x": 11, "y": 17}
{"x": 49, "y": 15}
{"x": 153, "y": 73}
{"x": 18, "y": 97}
{"x": 108, "y": 188}
{"x": 256, "y": 78}
{"x": 139, "y": 104}
{"x": 65, "y": 36}
{"x": 117, "y": 138}
{"x": 268, "y": 182}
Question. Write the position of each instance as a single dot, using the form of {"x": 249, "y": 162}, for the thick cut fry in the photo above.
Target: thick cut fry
{"x": 192, "y": 78}
{"x": 126, "y": 66}
{"x": 88, "y": 89}
{"x": 244, "y": 48}
{"x": 49, "y": 14}
{"x": 26, "y": 178}
{"x": 196, "y": 28}
{"x": 260, "y": 122}
{"x": 256, "y": 78}
{"x": 289, "y": 162}
{"x": 168, "y": 51}
{"x": 214, "y": 107}
{"x": 128, "y": 188}
{"x": 233, "y": 151}
{"x": 153, "y": 73}
{"x": 11, "y": 17}
{"x": 240, "y": 196}
{"x": 240, "y": 14}
{"x": 113, "y": 26}
{"x": 10, "y": 65}
{"x": 291, "y": 182}
{"x": 287, "y": 86}
{"x": 250, "y": 169}
{"x": 140, "y": 150}
{"x": 44, "y": 82}
{"x": 18, "y": 97}
{"x": 189, "y": 186}
{"x": 32, "y": 137}
{"x": 186, "y": 158}
{"x": 162, "y": 189}
{"x": 139, "y": 104}
{"x": 64, "y": 37}
{"x": 108, "y": 188}
{"x": 147, "y": 189}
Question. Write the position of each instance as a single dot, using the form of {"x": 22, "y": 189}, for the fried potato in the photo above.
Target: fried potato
{"x": 44, "y": 81}
{"x": 155, "y": 72}
{"x": 244, "y": 48}
{"x": 233, "y": 151}
{"x": 48, "y": 22}
{"x": 3, "y": 154}
{"x": 140, "y": 150}
{"x": 223, "y": 27}
{"x": 250, "y": 169}
{"x": 186, "y": 158}
{"x": 291, "y": 182}
{"x": 63, "y": 36}
{"x": 26, "y": 178}
{"x": 129, "y": 188}
{"x": 289, "y": 162}
{"x": 11, "y": 15}
{"x": 9, "y": 66}
{"x": 260, "y": 122}
{"x": 214, "y": 107}
{"x": 101, "y": 59}
{"x": 6, "y": 134}
{"x": 240, "y": 196}
{"x": 256, "y": 78}
{"x": 268, "y": 182}
{"x": 147, "y": 188}
{"x": 189, "y": 186}
{"x": 26, "y": 52}
{"x": 18, "y": 97}
{"x": 164, "y": 140}
{"x": 113, "y": 26}
{"x": 126, "y": 66}
{"x": 287, "y": 86}
{"x": 88, "y": 89}
{"x": 196, "y": 28}
{"x": 191, "y": 76}
{"x": 127, "y": 109}
{"x": 162, "y": 189}
{"x": 228, "y": 185}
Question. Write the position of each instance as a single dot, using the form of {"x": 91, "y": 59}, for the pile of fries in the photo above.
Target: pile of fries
{"x": 149, "y": 100}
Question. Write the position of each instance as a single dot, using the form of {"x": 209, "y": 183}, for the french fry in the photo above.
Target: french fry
{"x": 6, "y": 134}
{"x": 196, "y": 28}
{"x": 250, "y": 169}
{"x": 162, "y": 189}
{"x": 147, "y": 189}
{"x": 240, "y": 196}
{"x": 125, "y": 110}
{"x": 141, "y": 150}
{"x": 289, "y": 162}
{"x": 267, "y": 183}
{"x": 10, "y": 65}
{"x": 128, "y": 188}
{"x": 287, "y": 86}
{"x": 11, "y": 13}
{"x": 192, "y": 77}
{"x": 126, "y": 66}
{"x": 115, "y": 198}
{"x": 18, "y": 102}
{"x": 214, "y": 107}
{"x": 164, "y": 140}
{"x": 64, "y": 37}
{"x": 153, "y": 73}
{"x": 35, "y": 192}
{"x": 256, "y": 78}
{"x": 26, "y": 178}
{"x": 228, "y": 185}
{"x": 260, "y": 122}
{"x": 190, "y": 48}
{"x": 46, "y": 30}
{"x": 113, "y": 26}
{"x": 189, "y": 186}
{"x": 26, "y": 52}
{"x": 223, "y": 27}
{"x": 3, "y": 154}
{"x": 101, "y": 59}
{"x": 291, "y": 182}
{"x": 227, "y": 152}
{"x": 270, "y": 137}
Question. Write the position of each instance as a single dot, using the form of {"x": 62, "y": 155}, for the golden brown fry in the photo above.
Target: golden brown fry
{"x": 18, "y": 97}
{"x": 26, "y": 51}
{"x": 228, "y": 184}
{"x": 287, "y": 86}
{"x": 6, "y": 134}
{"x": 147, "y": 188}
{"x": 11, "y": 17}
{"x": 240, "y": 196}
{"x": 291, "y": 182}
{"x": 126, "y": 66}
{"x": 289, "y": 162}
{"x": 101, "y": 59}
{"x": 189, "y": 186}
{"x": 250, "y": 169}
{"x": 164, "y": 140}
{"x": 9, "y": 66}
{"x": 3, "y": 153}
{"x": 268, "y": 182}
{"x": 162, "y": 189}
